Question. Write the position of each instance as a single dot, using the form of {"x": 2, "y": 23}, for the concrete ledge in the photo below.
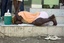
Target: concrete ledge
{"x": 25, "y": 31}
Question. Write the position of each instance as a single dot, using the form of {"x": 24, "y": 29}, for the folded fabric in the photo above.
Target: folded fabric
{"x": 30, "y": 17}
{"x": 27, "y": 16}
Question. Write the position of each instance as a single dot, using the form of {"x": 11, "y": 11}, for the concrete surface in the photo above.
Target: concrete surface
{"x": 36, "y": 39}
{"x": 26, "y": 31}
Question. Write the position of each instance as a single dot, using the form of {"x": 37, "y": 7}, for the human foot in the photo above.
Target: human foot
{"x": 53, "y": 19}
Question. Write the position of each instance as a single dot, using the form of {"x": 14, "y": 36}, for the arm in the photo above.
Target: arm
{"x": 16, "y": 6}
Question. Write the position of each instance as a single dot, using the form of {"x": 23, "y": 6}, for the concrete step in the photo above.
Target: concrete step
{"x": 25, "y": 31}
{"x": 57, "y": 12}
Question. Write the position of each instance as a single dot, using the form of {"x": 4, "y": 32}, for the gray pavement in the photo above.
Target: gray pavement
{"x": 28, "y": 40}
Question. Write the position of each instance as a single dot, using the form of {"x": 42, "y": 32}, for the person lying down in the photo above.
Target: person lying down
{"x": 38, "y": 18}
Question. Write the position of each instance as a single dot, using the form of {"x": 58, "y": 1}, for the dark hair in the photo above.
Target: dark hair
{"x": 17, "y": 20}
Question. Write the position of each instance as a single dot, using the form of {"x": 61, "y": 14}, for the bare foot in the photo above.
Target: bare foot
{"x": 53, "y": 19}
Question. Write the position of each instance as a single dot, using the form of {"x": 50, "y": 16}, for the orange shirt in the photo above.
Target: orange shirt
{"x": 28, "y": 17}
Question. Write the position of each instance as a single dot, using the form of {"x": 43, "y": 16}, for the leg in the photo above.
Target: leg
{"x": 22, "y": 6}
{"x": 6, "y": 4}
{"x": 0, "y": 5}
{"x": 15, "y": 2}
{"x": 3, "y": 7}
{"x": 9, "y": 6}
{"x": 16, "y": 19}
{"x": 41, "y": 21}
{"x": 16, "y": 6}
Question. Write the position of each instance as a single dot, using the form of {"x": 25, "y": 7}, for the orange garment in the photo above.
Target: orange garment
{"x": 27, "y": 16}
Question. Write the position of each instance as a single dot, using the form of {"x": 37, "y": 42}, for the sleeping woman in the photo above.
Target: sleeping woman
{"x": 38, "y": 18}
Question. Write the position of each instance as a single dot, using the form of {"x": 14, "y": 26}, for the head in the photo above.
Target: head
{"x": 17, "y": 20}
